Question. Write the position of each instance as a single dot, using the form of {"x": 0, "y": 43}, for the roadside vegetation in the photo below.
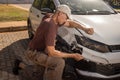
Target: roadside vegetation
{"x": 10, "y": 13}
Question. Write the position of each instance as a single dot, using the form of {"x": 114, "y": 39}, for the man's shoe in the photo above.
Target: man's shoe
{"x": 16, "y": 67}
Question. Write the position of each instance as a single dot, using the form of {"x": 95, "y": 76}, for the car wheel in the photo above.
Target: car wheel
{"x": 30, "y": 33}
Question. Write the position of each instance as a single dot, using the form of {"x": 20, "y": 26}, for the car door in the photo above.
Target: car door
{"x": 36, "y": 12}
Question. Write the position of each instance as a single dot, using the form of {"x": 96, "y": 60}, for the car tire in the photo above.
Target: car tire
{"x": 30, "y": 33}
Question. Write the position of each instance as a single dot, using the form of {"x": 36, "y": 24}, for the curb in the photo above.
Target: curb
{"x": 12, "y": 29}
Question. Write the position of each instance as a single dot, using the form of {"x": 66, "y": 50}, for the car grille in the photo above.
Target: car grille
{"x": 117, "y": 69}
{"x": 114, "y": 48}
{"x": 108, "y": 69}
{"x": 112, "y": 69}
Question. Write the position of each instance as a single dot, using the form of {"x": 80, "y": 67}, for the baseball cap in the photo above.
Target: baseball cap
{"x": 65, "y": 9}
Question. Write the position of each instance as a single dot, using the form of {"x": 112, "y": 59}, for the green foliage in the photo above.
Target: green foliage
{"x": 10, "y": 13}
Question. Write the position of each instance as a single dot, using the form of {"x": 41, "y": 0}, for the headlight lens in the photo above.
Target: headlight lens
{"x": 91, "y": 44}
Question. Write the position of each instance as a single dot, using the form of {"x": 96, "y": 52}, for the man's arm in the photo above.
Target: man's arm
{"x": 50, "y": 50}
{"x": 73, "y": 24}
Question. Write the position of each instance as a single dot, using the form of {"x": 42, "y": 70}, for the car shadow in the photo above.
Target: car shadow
{"x": 7, "y": 57}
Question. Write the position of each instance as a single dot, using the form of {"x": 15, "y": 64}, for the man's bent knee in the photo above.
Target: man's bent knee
{"x": 61, "y": 62}
{"x": 55, "y": 63}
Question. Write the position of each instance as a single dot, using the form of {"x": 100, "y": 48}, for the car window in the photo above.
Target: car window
{"x": 37, "y": 3}
{"x": 52, "y": 5}
{"x": 48, "y": 4}
{"x": 44, "y": 4}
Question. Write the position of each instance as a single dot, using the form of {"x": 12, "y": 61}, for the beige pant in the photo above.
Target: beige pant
{"x": 53, "y": 65}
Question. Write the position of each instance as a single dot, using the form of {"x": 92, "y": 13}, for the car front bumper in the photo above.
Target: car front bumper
{"x": 91, "y": 69}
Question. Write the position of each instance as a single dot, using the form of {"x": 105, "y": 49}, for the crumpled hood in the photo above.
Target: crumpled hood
{"x": 106, "y": 27}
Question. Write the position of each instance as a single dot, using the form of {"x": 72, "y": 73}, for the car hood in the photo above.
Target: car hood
{"x": 106, "y": 27}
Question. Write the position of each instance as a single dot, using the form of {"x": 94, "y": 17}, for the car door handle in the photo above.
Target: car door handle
{"x": 43, "y": 13}
{"x": 38, "y": 16}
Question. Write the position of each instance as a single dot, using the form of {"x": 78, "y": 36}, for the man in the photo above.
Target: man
{"x": 41, "y": 49}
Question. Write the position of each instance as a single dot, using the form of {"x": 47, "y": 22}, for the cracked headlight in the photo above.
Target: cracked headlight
{"x": 91, "y": 44}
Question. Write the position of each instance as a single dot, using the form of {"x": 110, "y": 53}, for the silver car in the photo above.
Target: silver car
{"x": 100, "y": 50}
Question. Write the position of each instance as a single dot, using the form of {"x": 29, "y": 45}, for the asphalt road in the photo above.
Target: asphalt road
{"x": 12, "y": 45}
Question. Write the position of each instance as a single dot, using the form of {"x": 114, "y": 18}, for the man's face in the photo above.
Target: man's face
{"x": 62, "y": 18}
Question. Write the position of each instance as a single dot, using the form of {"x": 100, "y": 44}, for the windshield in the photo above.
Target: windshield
{"x": 87, "y": 7}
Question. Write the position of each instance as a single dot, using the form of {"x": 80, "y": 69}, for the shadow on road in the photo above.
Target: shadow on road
{"x": 8, "y": 55}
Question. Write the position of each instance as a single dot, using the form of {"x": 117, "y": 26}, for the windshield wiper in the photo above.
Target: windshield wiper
{"x": 79, "y": 12}
{"x": 99, "y": 12}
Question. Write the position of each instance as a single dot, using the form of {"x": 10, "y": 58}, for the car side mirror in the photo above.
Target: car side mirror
{"x": 46, "y": 10}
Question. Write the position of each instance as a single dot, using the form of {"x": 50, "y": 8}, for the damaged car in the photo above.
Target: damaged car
{"x": 100, "y": 50}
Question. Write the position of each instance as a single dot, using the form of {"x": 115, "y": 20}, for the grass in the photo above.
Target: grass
{"x": 10, "y": 13}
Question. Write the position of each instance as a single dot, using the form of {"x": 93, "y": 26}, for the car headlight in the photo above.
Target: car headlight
{"x": 91, "y": 44}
